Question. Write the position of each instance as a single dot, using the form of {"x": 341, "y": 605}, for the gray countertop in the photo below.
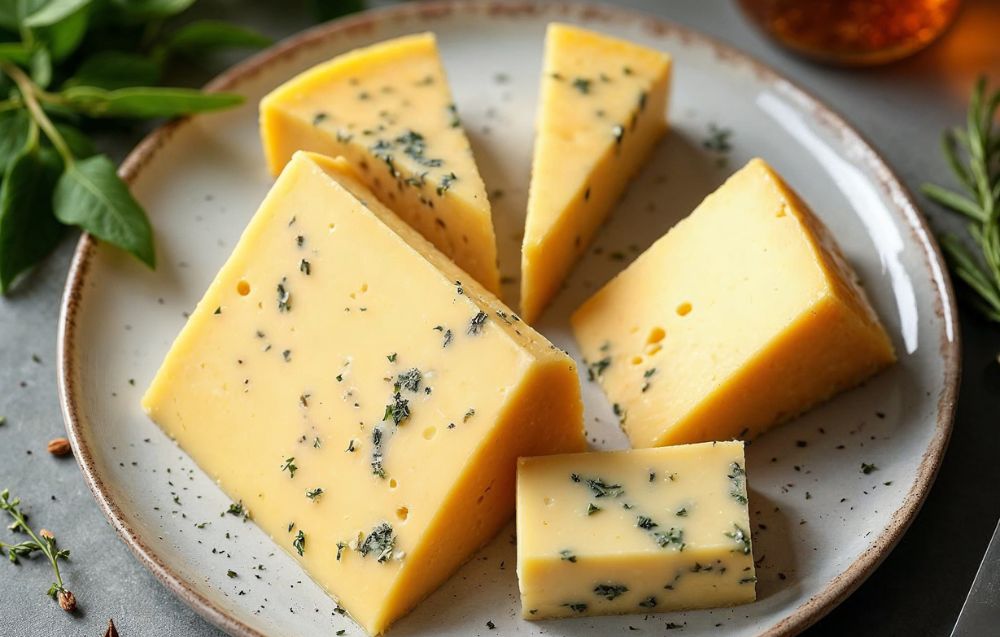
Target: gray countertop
{"x": 917, "y": 591}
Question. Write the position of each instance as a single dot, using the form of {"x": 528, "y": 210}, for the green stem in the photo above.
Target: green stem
{"x": 45, "y": 546}
{"x": 29, "y": 92}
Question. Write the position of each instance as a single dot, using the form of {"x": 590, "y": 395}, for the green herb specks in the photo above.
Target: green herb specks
{"x": 597, "y": 368}
{"x": 299, "y": 543}
{"x": 737, "y": 481}
{"x": 567, "y": 556}
{"x": 600, "y": 488}
{"x": 477, "y": 322}
{"x": 576, "y": 607}
{"x": 312, "y": 494}
{"x": 741, "y": 537}
{"x": 284, "y": 297}
{"x": 380, "y": 543}
{"x": 289, "y": 466}
{"x": 398, "y": 410}
{"x": 582, "y": 85}
{"x": 610, "y": 591}
{"x": 410, "y": 379}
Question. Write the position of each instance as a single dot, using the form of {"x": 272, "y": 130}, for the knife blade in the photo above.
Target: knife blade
{"x": 980, "y": 614}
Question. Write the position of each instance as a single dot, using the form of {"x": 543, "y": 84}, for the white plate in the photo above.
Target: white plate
{"x": 820, "y": 524}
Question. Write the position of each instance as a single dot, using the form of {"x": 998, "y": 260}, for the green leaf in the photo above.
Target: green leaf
{"x": 325, "y": 10}
{"x": 65, "y": 36}
{"x": 114, "y": 69}
{"x": 13, "y": 12}
{"x": 28, "y": 229}
{"x": 79, "y": 144}
{"x": 14, "y": 127}
{"x": 41, "y": 66}
{"x": 953, "y": 200}
{"x": 54, "y": 11}
{"x": 14, "y": 52}
{"x": 202, "y": 36}
{"x": 91, "y": 195}
{"x": 146, "y": 102}
{"x": 151, "y": 9}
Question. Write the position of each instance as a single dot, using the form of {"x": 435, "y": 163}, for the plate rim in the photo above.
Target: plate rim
{"x": 804, "y": 615}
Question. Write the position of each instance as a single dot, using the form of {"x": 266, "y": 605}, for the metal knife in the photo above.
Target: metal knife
{"x": 980, "y": 614}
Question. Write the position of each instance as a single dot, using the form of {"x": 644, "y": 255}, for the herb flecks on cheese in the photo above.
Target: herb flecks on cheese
{"x": 742, "y": 316}
{"x": 635, "y": 556}
{"x": 601, "y": 110}
{"x": 387, "y": 108}
{"x": 343, "y": 446}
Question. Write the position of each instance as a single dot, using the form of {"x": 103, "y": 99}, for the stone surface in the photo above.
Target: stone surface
{"x": 901, "y": 108}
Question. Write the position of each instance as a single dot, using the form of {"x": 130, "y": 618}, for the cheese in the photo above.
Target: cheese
{"x": 601, "y": 111}
{"x": 388, "y": 109}
{"x": 641, "y": 531}
{"x": 742, "y": 316}
{"x": 362, "y": 399}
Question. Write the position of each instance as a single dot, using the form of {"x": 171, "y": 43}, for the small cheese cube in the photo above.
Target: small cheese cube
{"x": 642, "y": 531}
{"x": 388, "y": 109}
{"x": 364, "y": 401}
{"x": 602, "y": 108}
{"x": 742, "y": 316}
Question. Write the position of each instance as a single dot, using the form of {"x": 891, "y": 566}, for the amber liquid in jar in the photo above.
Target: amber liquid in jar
{"x": 854, "y": 32}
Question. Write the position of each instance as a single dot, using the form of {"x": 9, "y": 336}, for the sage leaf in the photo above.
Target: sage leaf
{"x": 145, "y": 102}
{"x": 203, "y": 36}
{"x": 14, "y": 127}
{"x": 54, "y": 11}
{"x": 150, "y": 9}
{"x": 28, "y": 229}
{"x": 41, "y": 66}
{"x": 91, "y": 195}
{"x": 114, "y": 70}
{"x": 64, "y": 37}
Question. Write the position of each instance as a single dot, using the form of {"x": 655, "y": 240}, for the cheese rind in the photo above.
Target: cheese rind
{"x": 640, "y": 531}
{"x": 602, "y": 108}
{"x": 742, "y": 316}
{"x": 387, "y": 108}
{"x": 338, "y": 350}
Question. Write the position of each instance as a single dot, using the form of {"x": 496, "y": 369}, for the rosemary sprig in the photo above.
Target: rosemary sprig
{"x": 974, "y": 157}
{"x": 44, "y": 542}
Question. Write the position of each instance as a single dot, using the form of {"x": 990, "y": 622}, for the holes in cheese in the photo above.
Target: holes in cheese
{"x": 641, "y": 531}
{"x": 388, "y": 109}
{"x": 769, "y": 323}
{"x": 401, "y": 411}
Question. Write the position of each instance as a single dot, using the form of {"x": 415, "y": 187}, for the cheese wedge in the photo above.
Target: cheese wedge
{"x": 742, "y": 316}
{"x": 363, "y": 400}
{"x": 601, "y": 111}
{"x": 387, "y": 108}
{"x": 643, "y": 531}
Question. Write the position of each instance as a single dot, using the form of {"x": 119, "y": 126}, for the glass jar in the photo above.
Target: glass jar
{"x": 852, "y": 32}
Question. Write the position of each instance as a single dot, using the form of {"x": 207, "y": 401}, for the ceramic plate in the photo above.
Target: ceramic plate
{"x": 820, "y": 524}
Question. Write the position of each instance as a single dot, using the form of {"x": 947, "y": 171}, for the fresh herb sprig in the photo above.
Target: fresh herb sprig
{"x": 42, "y": 542}
{"x": 974, "y": 157}
{"x": 63, "y": 65}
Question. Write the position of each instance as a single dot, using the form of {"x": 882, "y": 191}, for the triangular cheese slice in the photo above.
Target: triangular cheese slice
{"x": 363, "y": 399}
{"x": 387, "y": 108}
{"x": 601, "y": 111}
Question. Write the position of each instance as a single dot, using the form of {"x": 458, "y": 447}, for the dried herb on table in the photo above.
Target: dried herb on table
{"x": 43, "y": 542}
{"x": 974, "y": 157}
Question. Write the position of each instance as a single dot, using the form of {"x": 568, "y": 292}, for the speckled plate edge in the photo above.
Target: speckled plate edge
{"x": 950, "y": 350}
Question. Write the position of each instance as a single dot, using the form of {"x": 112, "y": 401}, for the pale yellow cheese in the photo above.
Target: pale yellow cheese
{"x": 338, "y": 350}
{"x": 602, "y": 109}
{"x": 641, "y": 531}
{"x": 742, "y": 316}
{"x": 388, "y": 109}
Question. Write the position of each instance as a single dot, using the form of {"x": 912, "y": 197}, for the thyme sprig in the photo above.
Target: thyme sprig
{"x": 973, "y": 153}
{"x": 42, "y": 542}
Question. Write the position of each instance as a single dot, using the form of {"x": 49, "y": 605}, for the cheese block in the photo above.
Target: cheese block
{"x": 387, "y": 108}
{"x": 742, "y": 316}
{"x": 641, "y": 531}
{"x": 601, "y": 111}
{"x": 362, "y": 399}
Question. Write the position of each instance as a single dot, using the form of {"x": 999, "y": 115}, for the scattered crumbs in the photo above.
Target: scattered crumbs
{"x": 867, "y": 468}
{"x": 231, "y": 573}
{"x": 801, "y": 443}
{"x": 491, "y": 625}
